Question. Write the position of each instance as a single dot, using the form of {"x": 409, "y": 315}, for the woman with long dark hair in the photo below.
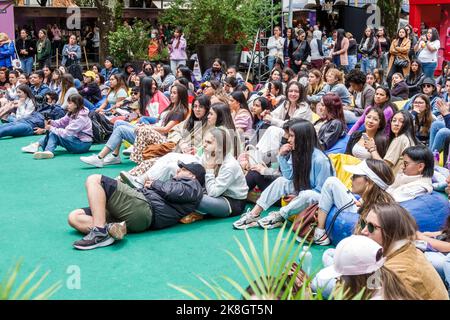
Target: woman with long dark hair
{"x": 382, "y": 100}
{"x": 374, "y": 124}
{"x": 427, "y": 51}
{"x": 152, "y": 102}
{"x": 339, "y": 52}
{"x": 415, "y": 78}
{"x": 304, "y": 168}
{"x": 402, "y": 136}
{"x": 398, "y": 59}
{"x": 242, "y": 116}
{"x": 423, "y": 117}
{"x": 369, "y": 50}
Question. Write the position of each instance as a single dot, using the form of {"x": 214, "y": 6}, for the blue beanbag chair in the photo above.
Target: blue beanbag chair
{"x": 430, "y": 212}
{"x": 339, "y": 146}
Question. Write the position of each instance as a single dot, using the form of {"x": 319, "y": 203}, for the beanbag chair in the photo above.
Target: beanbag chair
{"x": 430, "y": 212}
{"x": 339, "y": 160}
{"x": 339, "y": 146}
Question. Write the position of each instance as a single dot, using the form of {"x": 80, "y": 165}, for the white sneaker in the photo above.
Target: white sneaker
{"x": 93, "y": 160}
{"x": 321, "y": 237}
{"x": 43, "y": 155}
{"x": 110, "y": 159}
{"x": 31, "y": 148}
{"x": 128, "y": 151}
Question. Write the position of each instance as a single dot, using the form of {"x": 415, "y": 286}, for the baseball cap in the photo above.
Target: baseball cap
{"x": 196, "y": 169}
{"x": 363, "y": 169}
{"x": 89, "y": 74}
{"x": 356, "y": 255}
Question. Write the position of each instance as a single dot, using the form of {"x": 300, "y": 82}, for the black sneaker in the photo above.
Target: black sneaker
{"x": 94, "y": 239}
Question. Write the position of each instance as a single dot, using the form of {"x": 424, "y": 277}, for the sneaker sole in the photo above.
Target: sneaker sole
{"x": 40, "y": 156}
{"x": 128, "y": 182}
{"x": 92, "y": 164}
{"x": 246, "y": 226}
{"x": 29, "y": 150}
{"x": 97, "y": 245}
{"x": 111, "y": 163}
{"x": 271, "y": 226}
{"x": 118, "y": 231}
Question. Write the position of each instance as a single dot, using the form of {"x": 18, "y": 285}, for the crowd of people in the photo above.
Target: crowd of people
{"x": 205, "y": 149}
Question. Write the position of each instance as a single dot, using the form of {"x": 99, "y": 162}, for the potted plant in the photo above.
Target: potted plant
{"x": 130, "y": 44}
{"x": 219, "y": 28}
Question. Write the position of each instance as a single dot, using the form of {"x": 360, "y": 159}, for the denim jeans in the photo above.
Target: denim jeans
{"x": 282, "y": 187}
{"x": 71, "y": 144}
{"x": 441, "y": 262}
{"x": 334, "y": 193}
{"x": 270, "y": 62}
{"x": 350, "y": 117}
{"x": 352, "y": 60}
{"x": 428, "y": 69}
{"x": 175, "y": 63}
{"x": 89, "y": 104}
{"x": 27, "y": 65}
{"x": 438, "y": 133}
{"x": 122, "y": 131}
{"x": 368, "y": 65}
{"x": 148, "y": 120}
{"x": 16, "y": 129}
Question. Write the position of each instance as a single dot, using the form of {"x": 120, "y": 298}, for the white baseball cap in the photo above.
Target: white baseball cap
{"x": 364, "y": 170}
{"x": 356, "y": 255}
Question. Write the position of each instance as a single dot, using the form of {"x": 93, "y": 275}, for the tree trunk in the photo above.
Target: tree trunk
{"x": 390, "y": 15}
{"x": 106, "y": 23}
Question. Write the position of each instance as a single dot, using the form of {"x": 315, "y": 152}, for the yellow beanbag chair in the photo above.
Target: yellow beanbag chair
{"x": 400, "y": 104}
{"x": 339, "y": 160}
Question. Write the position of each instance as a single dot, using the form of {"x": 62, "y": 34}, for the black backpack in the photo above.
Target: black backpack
{"x": 75, "y": 70}
{"x": 101, "y": 127}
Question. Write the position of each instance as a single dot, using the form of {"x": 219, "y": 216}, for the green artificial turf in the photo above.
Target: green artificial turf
{"x": 36, "y": 197}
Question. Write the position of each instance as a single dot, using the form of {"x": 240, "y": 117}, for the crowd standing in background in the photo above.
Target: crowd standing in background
{"x": 206, "y": 148}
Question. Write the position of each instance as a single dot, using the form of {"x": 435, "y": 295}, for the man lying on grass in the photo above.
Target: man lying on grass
{"x": 115, "y": 208}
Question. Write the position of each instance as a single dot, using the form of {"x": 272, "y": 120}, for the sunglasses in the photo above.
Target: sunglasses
{"x": 427, "y": 86}
{"x": 370, "y": 226}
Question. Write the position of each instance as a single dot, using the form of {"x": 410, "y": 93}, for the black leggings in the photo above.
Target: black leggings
{"x": 255, "y": 179}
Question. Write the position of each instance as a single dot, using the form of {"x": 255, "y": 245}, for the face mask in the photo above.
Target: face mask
{"x": 153, "y": 36}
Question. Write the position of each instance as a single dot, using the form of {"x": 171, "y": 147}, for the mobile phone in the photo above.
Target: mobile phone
{"x": 365, "y": 136}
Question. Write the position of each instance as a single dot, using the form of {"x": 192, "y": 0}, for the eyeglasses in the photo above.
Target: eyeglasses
{"x": 370, "y": 226}
{"x": 407, "y": 163}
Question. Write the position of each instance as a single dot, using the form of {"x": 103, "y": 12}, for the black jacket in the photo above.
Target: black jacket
{"x": 172, "y": 200}
{"x": 28, "y": 45}
{"x": 400, "y": 90}
{"x": 372, "y": 50}
{"x": 330, "y": 132}
{"x": 414, "y": 83}
{"x": 91, "y": 92}
{"x": 301, "y": 50}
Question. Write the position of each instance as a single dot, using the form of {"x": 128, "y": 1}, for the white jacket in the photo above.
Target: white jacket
{"x": 25, "y": 109}
{"x": 230, "y": 180}
{"x": 407, "y": 188}
{"x": 279, "y": 114}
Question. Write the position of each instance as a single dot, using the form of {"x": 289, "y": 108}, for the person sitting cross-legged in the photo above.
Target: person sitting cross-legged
{"x": 115, "y": 208}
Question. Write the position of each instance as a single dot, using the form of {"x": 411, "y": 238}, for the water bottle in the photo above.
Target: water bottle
{"x": 306, "y": 255}
{"x": 436, "y": 157}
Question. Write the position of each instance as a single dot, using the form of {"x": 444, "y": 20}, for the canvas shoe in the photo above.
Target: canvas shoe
{"x": 128, "y": 151}
{"x": 321, "y": 237}
{"x": 117, "y": 230}
{"x": 247, "y": 220}
{"x": 111, "y": 159}
{"x": 43, "y": 155}
{"x": 93, "y": 160}
{"x": 273, "y": 220}
{"x": 130, "y": 180}
{"x": 31, "y": 148}
{"x": 94, "y": 239}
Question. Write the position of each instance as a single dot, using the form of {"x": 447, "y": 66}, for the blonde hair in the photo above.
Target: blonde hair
{"x": 337, "y": 74}
{"x": 4, "y": 37}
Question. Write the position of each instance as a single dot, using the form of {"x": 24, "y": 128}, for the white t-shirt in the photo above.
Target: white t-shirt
{"x": 426, "y": 55}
